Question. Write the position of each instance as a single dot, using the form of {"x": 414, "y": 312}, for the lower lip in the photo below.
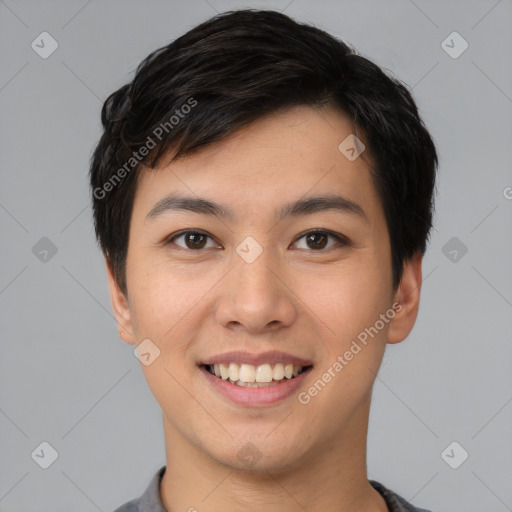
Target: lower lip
{"x": 253, "y": 397}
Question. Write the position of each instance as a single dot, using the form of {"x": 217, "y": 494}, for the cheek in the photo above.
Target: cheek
{"x": 348, "y": 297}
{"x": 162, "y": 296}
{"x": 348, "y": 305}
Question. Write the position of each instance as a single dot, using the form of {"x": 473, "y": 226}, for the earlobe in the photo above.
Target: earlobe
{"x": 120, "y": 307}
{"x": 408, "y": 298}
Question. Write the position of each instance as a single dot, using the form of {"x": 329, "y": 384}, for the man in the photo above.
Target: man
{"x": 263, "y": 197}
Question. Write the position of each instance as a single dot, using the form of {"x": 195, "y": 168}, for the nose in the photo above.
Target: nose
{"x": 256, "y": 297}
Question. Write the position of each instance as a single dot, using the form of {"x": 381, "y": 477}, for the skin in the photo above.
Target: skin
{"x": 311, "y": 302}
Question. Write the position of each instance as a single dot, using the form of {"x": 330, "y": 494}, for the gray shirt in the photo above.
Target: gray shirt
{"x": 150, "y": 500}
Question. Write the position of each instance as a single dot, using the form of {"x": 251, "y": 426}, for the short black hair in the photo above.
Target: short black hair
{"x": 234, "y": 69}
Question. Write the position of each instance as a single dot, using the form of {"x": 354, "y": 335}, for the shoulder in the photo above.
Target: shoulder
{"x": 395, "y": 502}
{"x": 149, "y": 500}
{"x": 131, "y": 506}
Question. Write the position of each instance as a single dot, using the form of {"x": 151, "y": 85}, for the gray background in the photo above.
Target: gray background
{"x": 65, "y": 376}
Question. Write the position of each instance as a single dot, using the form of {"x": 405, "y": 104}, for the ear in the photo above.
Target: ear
{"x": 120, "y": 307}
{"x": 408, "y": 296}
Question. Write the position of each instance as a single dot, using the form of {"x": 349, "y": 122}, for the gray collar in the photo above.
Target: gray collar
{"x": 150, "y": 500}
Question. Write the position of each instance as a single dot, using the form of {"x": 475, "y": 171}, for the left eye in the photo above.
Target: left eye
{"x": 316, "y": 240}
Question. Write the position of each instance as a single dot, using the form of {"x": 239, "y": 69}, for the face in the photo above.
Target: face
{"x": 269, "y": 274}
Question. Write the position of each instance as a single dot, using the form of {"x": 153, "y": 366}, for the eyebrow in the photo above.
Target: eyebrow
{"x": 305, "y": 206}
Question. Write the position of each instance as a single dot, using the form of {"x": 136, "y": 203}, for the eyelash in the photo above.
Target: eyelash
{"x": 341, "y": 239}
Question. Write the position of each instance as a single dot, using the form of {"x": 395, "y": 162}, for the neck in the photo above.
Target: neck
{"x": 331, "y": 475}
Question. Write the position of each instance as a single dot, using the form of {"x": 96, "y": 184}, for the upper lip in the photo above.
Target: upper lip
{"x": 240, "y": 357}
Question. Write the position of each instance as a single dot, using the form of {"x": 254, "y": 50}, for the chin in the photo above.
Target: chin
{"x": 258, "y": 454}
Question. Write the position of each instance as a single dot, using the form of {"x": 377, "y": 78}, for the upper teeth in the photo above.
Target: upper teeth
{"x": 249, "y": 373}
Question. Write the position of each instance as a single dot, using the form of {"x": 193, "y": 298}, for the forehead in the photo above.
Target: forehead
{"x": 264, "y": 167}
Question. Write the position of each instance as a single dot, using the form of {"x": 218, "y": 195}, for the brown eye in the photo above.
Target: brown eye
{"x": 318, "y": 240}
{"x": 194, "y": 240}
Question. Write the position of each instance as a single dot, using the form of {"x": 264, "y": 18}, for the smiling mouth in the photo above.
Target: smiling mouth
{"x": 247, "y": 375}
